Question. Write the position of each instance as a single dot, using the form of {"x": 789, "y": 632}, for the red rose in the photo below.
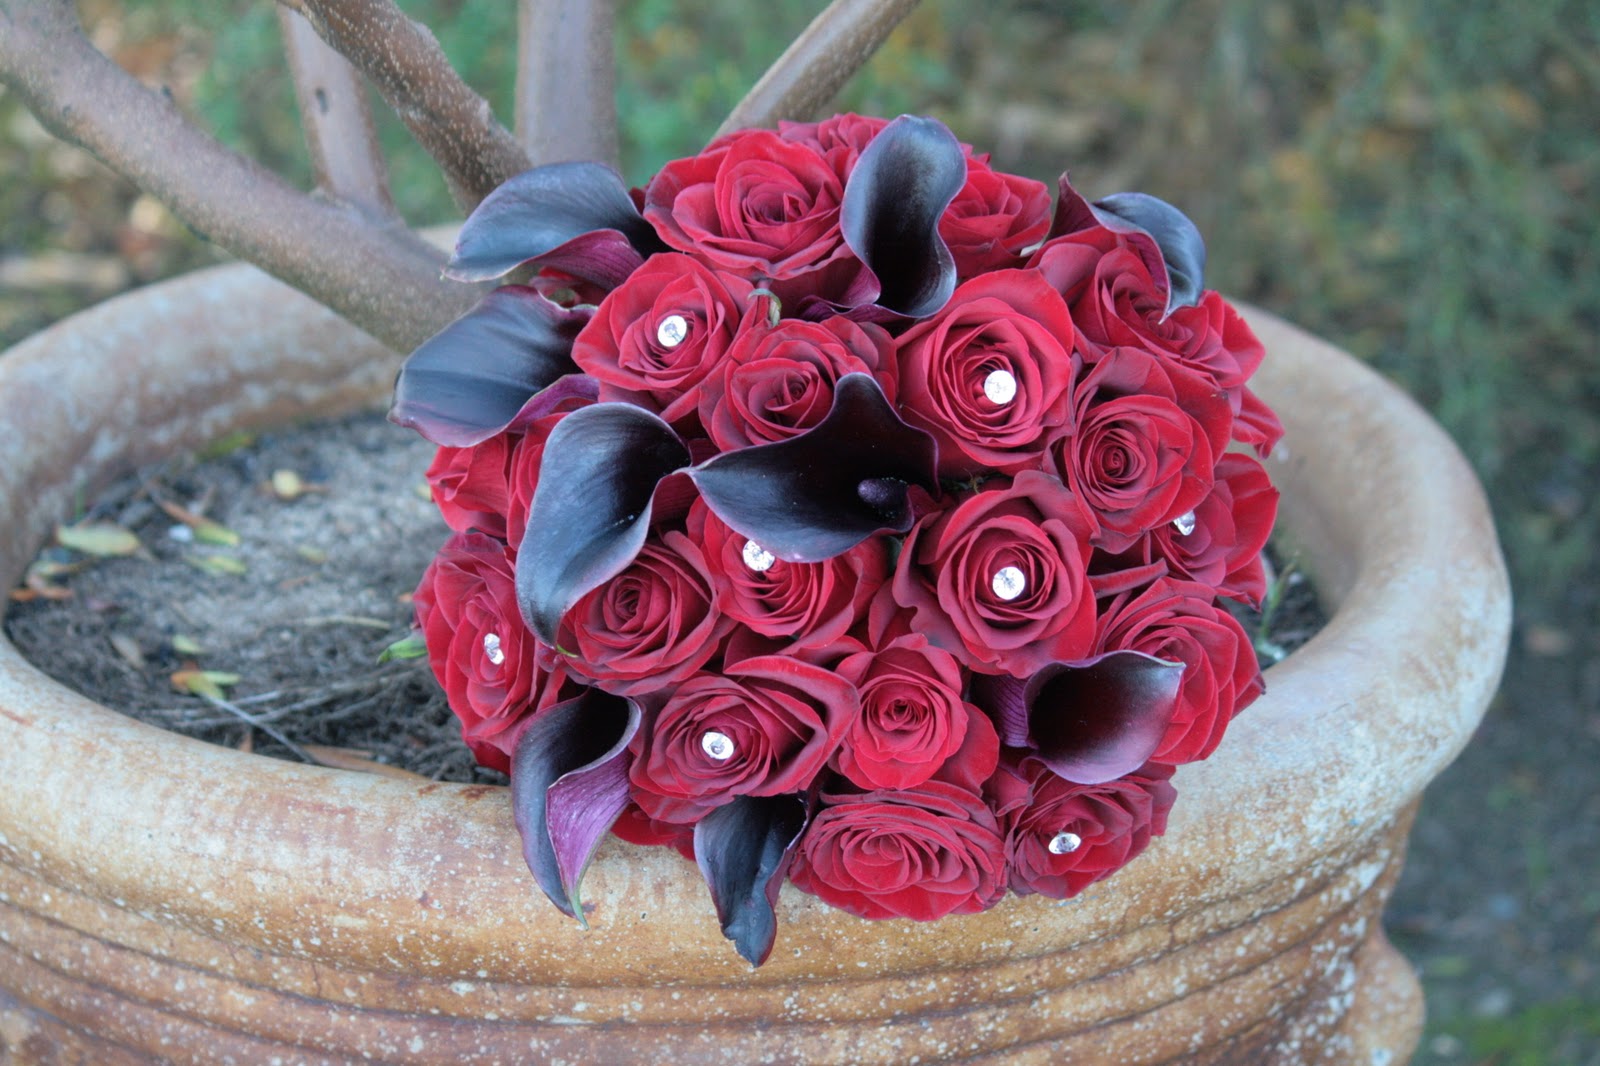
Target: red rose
{"x": 655, "y": 338}
{"x": 1002, "y": 577}
{"x": 1179, "y": 621}
{"x": 649, "y": 627}
{"x": 493, "y": 671}
{"x": 912, "y": 715}
{"x": 470, "y": 484}
{"x": 1117, "y": 302}
{"x": 1219, "y": 544}
{"x": 841, "y": 139}
{"x": 990, "y": 374}
{"x": 755, "y": 205}
{"x": 1144, "y": 445}
{"x": 994, "y": 219}
{"x": 917, "y": 853}
{"x": 808, "y": 604}
{"x": 777, "y": 382}
{"x": 1064, "y": 837}
{"x": 763, "y": 726}
{"x": 522, "y": 477}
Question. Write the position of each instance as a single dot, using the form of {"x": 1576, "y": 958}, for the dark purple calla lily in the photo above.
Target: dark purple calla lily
{"x": 575, "y": 217}
{"x": 1089, "y": 722}
{"x": 591, "y": 509}
{"x": 893, "y": 201}
{"x": 569, "y": 782}
{"x": 1164, "y": 237}
{"x": 821, "y": 493}
{"x": 744, "y": 849}
{"x": 469, "y": 381}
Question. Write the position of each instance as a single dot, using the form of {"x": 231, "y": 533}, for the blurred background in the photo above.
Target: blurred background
{"x": 1418, "y": 182}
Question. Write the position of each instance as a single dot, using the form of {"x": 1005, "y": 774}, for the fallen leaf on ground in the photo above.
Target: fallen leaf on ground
{"x": 209, "y": 683}
{"x": 129, "y": 649}
{"x": 101, "y": 539}
{"x": 360, "y": 761}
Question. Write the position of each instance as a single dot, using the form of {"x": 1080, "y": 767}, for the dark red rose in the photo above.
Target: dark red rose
{"x": 777, "y": 382}
{"x": 649, "y": 627}
{"x": 1144, "y": 444}
{"x": 1065, "y": 837}
{"x": 994, "y": 219}
{"x": 764, "y": 726}
{"x": 913, "y": 716}
{"x": 1000, "y": 579}
{"x": 917, "y": 853}
{"x": 840, "y": 139}
{"x": 757, "y": 205}
{"x": 492, "y": 669}
{"x": 990, "y": 374}
{"x": 1117, "y": 302}
{"x": 1179, "y": 621}
{"x": 655, "y": 338}
{"x": 804, "y": 604}
{"x": 1219, "y": 544}
{"x": 637, "y": 827}
{"x": 470, "y": 485}
{"x": 522, "y": 477}
{"x": 1254, "y": 422}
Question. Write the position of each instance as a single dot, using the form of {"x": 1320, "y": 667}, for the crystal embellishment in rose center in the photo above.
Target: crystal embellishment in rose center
{"x": 672, "y": 331}
{"x": 1009, "y": 583}
{"x": 1000, "y": 387}
{"x": 758, "y": 558}
{"x": 1065, "y": 843}
{"x": 492, "y": 650}
{"x": 1184, "y": 523}
{"x": 718, "y": 746}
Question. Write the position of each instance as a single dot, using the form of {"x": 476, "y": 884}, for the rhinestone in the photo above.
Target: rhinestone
{"x": 717, "y": 745}
{"x": 758, "y": 558}
{"x": 491, "y": 648}
{"x": 672, "y": 331}
{"x": 1065, "y": 843}
{"x": 1009, "y": 583}
{"x": 1000, "y": 387}
{"x": 1184, "y": 524}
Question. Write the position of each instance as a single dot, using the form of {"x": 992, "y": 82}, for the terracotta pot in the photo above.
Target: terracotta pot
{"x": 161, "y": 897}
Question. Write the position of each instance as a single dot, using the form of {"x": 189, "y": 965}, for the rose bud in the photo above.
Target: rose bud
{"x": 493, "y": 671}
{"x": 917, "y": 853}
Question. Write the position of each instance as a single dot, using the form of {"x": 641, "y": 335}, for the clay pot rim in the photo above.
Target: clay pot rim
{"x": 275, "y": 855}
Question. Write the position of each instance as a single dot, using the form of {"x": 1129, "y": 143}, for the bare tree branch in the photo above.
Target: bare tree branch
{"x": 815, "y": 67}
{"x": 340, "y": 136}
{"x": 383, "y": 278}
{"x": 404, "y": 60}
{"x": 567, "y": 80}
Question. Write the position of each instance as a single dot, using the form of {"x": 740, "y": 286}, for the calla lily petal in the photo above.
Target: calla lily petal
{"x": 569, "y": 782}
{"x": 591, "y": 509}
{"x": 1183, "y": 250}
{"x": 821, "y": 493}
{"x": 469, "y": 381}
{"x": 576, "y": 217}
{"x": 744, "y": 849}
{"x": 893, "y": 201}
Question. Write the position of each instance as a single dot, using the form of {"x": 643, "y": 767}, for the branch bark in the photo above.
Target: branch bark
{"x": 815, "y": 67}
{"x": 404, "y": 60}
{"x": 340, "y": 136}
{"x": 567, "y": 80}
{"x": 383, "y": 278}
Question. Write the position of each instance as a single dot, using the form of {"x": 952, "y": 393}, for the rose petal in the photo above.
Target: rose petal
{"x": 576, "y": 217}
{"x": 893, "y": 201}
{"x": 569, "y": 782}
{"x": 468, "y": 381}
{"x": 821, "y": 493}
{"x": 1182, "y": 248}
{"x": 591, "y": 510}
{"x": 744, "y": 849}
{"x": 1094, "y": 721}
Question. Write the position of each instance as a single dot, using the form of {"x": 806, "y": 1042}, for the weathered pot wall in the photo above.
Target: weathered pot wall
{"x": 164, "y": 898}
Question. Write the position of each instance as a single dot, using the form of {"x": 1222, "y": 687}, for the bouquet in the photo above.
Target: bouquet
{"x": 836, "y": 510}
